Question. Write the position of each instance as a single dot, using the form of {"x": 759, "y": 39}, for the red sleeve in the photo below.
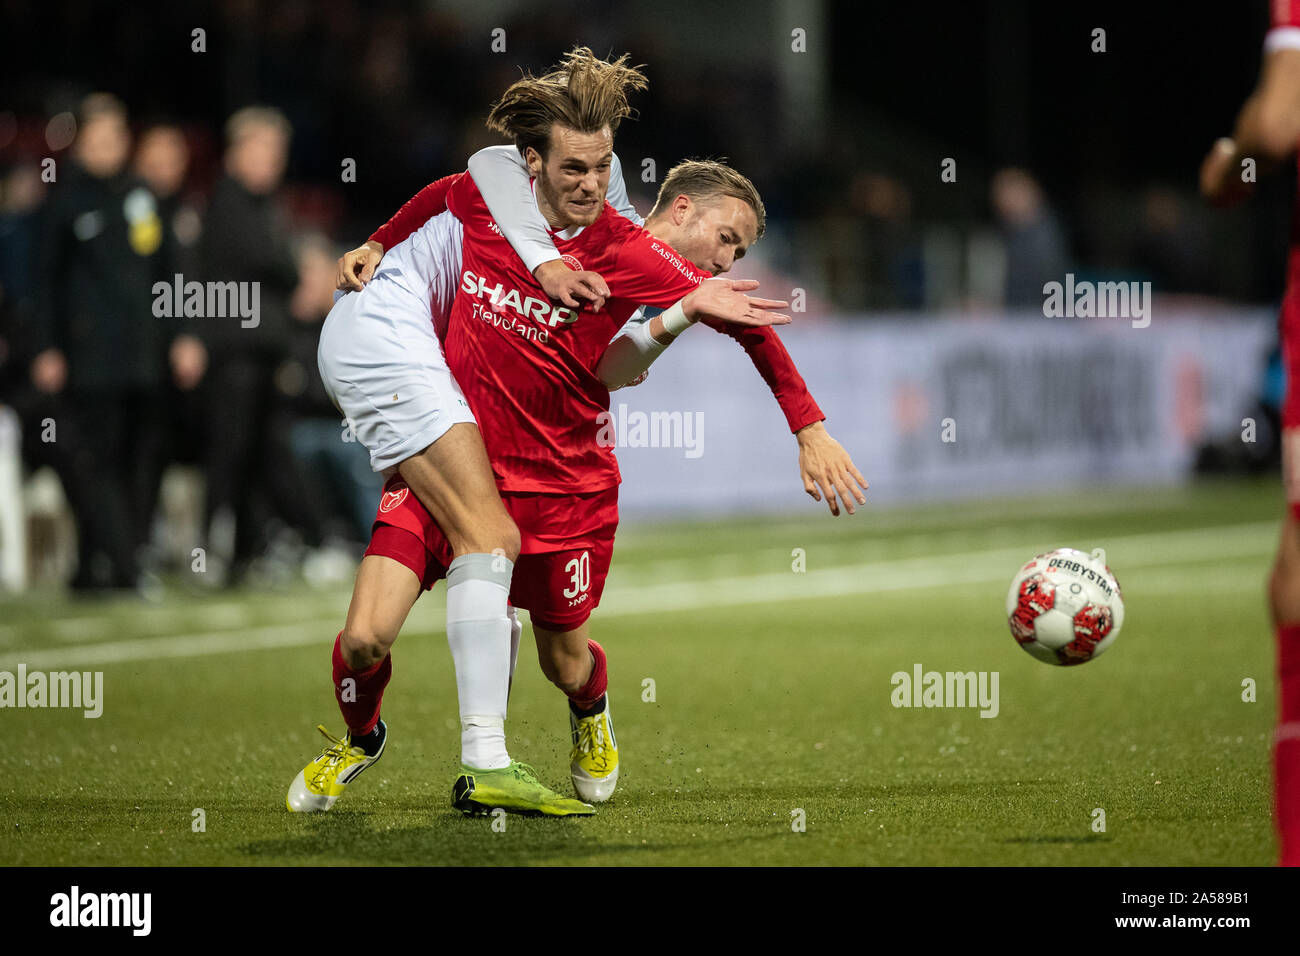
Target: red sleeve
{"x": 651, "y": 272}
{"x": 419, "y": 209}
{"x": 768, "y": 353}
{"x": 1285, "y": 13}
{"x": 648, "y": 271}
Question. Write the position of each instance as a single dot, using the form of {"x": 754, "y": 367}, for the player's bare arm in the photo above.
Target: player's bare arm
{"x": 1266, "y": 131}
{"x": 828, "y": 470}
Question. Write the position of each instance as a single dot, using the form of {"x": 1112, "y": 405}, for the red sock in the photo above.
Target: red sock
{"x": 360, "y": 699}
{"x": 1286, "y": 745}
{"x": 591, "y": 692}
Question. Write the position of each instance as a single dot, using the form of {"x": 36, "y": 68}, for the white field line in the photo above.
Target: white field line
{"x": 1159, "y": 549}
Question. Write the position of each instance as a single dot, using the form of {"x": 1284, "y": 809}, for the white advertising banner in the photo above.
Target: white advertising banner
{"x": 942, "y": 408}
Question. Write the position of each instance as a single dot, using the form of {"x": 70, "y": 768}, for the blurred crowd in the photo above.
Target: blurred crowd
{"x": 112, "y": 382}
{"x": 99, "y": 203}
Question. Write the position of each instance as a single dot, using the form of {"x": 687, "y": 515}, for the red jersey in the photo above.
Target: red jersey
{"x": 527, "y": 365}
{"x": 1284, "y": 33}
{"x": 762, "y": 345}
{"x": 415, "y": 212}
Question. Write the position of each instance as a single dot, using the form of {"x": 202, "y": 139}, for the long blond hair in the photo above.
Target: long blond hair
{"x": 583, "y": 93}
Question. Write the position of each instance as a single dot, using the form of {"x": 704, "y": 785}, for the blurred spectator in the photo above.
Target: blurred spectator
{"x": 1172, "y": 248}
{"x": 21, "y": 195}
{"x": 99, "y": 350}
{"x": 1036, "y": 250}
{"x": 895, "y": 276}
{"x": 335, "y": 467}
{"x": 870, "y": 248}
{"x": 250, "y": 470}
{"x": 162, "y": 159}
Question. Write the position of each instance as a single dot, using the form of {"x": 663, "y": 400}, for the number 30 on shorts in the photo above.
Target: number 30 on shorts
{"x": 580, "y": 570}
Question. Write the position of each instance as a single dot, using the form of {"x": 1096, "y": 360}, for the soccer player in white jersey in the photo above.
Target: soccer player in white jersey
{"x": 421, "y": 271}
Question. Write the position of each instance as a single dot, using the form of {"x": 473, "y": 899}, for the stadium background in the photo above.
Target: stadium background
{"x": 923, "y": 303}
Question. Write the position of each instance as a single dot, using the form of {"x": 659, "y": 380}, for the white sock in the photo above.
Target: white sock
{"x": 478, "y": 632}
{"x": 516, "y": 631}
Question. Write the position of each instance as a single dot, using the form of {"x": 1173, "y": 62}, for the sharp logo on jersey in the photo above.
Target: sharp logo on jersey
{"x": 393, "y": 498}
{"x": 571, "y": 262}
{"x": 531, "y": 307}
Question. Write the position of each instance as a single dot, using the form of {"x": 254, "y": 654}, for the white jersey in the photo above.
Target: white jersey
{"x": 380, "y": 357}
{"x": 380, "y": 352}
{"x": 421, "y": 272}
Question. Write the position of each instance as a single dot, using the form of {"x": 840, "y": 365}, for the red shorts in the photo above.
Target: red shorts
{"x": 567, "y": 542}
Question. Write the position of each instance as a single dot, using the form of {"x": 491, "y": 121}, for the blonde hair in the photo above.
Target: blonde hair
{"x": 708, "y": 179}
{"x": 583, "y": 93}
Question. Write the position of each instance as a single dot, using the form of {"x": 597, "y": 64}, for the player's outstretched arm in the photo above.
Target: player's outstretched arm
{"x": 1267, "y": 128}
{"x": 502, "y": 178}
{"x": 827, "y": 469}
{"x": 635, "y": 349}
{"x": 724, "y": 300}
{"x": 824, "y": 466}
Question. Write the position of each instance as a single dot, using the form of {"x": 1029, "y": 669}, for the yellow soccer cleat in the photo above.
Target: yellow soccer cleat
{"x": 593, "y": 763}
{"x": 324, "y": 779}
{"x": 515, "y": 789}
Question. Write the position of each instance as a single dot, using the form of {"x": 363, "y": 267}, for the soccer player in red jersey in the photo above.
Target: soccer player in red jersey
{"x": 394, "y": 594}
{"x": 532, "y": 375}
{"x": 1266, "y": 134}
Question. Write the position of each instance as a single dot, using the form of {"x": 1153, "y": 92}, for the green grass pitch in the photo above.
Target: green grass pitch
{"x": 771, "y": 695}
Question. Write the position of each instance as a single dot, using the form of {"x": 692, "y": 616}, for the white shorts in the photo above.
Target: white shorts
{"x": 379, "y": 356}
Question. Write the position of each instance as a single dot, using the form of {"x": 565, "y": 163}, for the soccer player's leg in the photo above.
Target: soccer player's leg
{"x": 516, "y": 633}
{"x": 560, "y": 589}
{"x": 477, "y": 789}
{"x": 453, "y": 481}
{"x": 1284, "y": 600}
{"x": 389, "y": 580}
{"x": 383, "y": 366}
{"x": 576, "y": 665}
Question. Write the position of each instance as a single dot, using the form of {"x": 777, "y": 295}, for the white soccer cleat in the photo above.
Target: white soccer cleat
{"x": 593, "y": 764}
{"x": 323, "y": 780}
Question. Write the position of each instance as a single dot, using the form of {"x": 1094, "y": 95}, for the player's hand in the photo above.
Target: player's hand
{"x": 1221, "y": 182}
{"x": 189, "y": 360}
{"x": 724, "y": 300}
{"x": 572, "y": 288}
{"x": 49, "y": 371}
{"x": 357, "y": 267}
{"x": 827, "y": 469}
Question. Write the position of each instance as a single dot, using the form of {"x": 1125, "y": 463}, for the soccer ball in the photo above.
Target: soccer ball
{"x": 1065, "y": 606}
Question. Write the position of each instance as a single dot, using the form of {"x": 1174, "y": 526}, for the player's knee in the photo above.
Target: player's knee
{"x": 364, "y": 645}
{"x": 498, "y": 535}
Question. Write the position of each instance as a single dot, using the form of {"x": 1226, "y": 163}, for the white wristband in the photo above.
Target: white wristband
{"x": 675, "y": 320}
